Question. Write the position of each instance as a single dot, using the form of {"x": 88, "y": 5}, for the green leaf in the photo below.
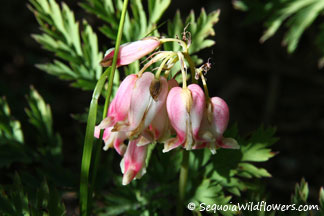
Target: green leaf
{"x": 321, "y": 200}
{"x": 40, "y": 116}
{"x": 296, "y": 15}
{"x": 253, "y": 170}
{"x": 301, "y": 193}
{"x": 10, "y": 129}
{"x": 77, "y": 54}
{"x": 157, "y": 8}
{"x": 200, "y": 29}
{"x": 256, "y": 148}
{"x": 88, "y": 143}
{"x": 55, "y": 205}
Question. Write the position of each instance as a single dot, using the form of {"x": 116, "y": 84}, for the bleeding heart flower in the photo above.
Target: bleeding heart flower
{"x": 185, "y": 108}
{"x": 213, "y": 126}
{"x": 160, "y": 125}
{"x": 148, "y": 97}
{"x": 117, "y": 112}
{"x": 133, "y": 163}
{"x": 130, "y": 52}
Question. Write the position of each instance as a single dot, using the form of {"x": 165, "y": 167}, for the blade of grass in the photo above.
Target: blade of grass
{"x": 89, "y": 138}
{"x": 88, "y": 144}
{"x": 110, "y": 85}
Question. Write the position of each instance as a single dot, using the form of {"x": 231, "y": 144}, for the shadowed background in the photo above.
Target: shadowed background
{"x": 261, "y": 83}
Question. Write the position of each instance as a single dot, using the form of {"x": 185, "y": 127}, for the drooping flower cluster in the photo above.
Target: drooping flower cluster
{"x": 149, "y": 107}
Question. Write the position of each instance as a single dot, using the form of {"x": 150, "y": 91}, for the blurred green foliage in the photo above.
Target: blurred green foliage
{"x": 229, "y": 176}
{"x": 295, "y": 15}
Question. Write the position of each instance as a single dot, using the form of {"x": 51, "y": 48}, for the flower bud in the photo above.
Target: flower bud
{"x": 130, "y": 52}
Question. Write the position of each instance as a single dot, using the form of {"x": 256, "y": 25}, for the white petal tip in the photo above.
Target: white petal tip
{"x": 128, "y": 177}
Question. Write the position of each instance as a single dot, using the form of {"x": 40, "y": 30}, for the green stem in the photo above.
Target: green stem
{"x": 158, "y": 73}
{"x": 183, "y": 70}
{"x": 182, "y": 43}
{"x": 85, "y": 196}
{"x": 88, "y": 144}
{"x": 182, "y": 181}
{"x": 109, "y": 90}
{"x": 192, "y": 67}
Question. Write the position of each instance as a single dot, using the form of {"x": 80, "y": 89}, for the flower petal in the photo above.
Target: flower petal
{"x": 121, "y": 104}
{"x": 197, "y": 108}
{"x": 220, "y": 115}
{"x": 133, "y": 161}
{"x": 130, "y": 52}
{"x": 177, "y": 101}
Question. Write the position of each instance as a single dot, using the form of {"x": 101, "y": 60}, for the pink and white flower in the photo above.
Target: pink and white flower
{"x": 117, "y": 112}
{"x": 147, "y": 99}
{"x": 185, "y": 107}
{"x": 133, "y": 163}
{"x": 130, "y": 52}
{"x": 213, "y": 126}
{"x": 161, "y": 126}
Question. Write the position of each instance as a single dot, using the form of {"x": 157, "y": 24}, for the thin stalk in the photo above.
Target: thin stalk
{"x": 182, "y": 43}
{"x": 85, "y": 196}
{"x": 183, "y": 70}
{"x": 157, "y": 75}
{"x": 109, "y": 90}
{"x": 156, "y": 58}
{"x": 192, "y": 67}
{"x": 88, "y": 144}
{"x": 204, "y": 84}
{"x": 183, "y": 181}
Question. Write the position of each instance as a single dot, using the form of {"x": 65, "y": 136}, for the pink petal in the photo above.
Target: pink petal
{"x": 144, "y": 104}
{"x": 177, "y": 101}
{"x": 197, "y": 108}
{"x": 133, "y": 161}
{"x": 130, "y": 52}
{"x": 161, "y": 124}
{"x": 121, "y": 104}
{"x": 220, "y": 115}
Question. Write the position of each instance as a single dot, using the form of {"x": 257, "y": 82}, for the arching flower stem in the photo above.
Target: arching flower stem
{"x": 161, "y": 55}
{"x": 192, "y": 67}
{"x": 182, "y": 43}
{"x": 183, "y": 69}
{"x": 164, "y": 62}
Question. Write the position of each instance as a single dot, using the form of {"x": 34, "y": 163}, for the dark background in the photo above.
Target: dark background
{"x": 261, "y": 83}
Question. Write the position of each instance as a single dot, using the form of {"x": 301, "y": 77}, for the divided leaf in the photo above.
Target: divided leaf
{"x": 77, "y": 55}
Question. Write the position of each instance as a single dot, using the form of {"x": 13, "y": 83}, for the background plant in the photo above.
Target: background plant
{"x": 76, "y": 62}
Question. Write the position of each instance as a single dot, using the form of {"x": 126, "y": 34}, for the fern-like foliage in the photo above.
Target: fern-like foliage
{"x": 136, "y": 26}
{"x": 77, "y": 56}
{"x": 15, "y": 199}
{"x": 212, "y": 178}
{"x": 296, "y": 15}
{"x": 46, "y": 147}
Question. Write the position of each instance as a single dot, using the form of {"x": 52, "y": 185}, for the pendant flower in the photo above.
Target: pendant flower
{"x": 147, "y": 99}
{"x": 213, "y": 126}
{"x": 185, "y": 108}
{"x": 133, "y": 163}
{"x": 161, "y": 126}
{"x": 130, "y": 52}
{"x": 117, "y": 112}
{"x": 150, "y": 108}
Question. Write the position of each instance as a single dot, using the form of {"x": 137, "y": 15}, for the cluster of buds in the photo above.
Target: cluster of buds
{"x": 150, "y": 108}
